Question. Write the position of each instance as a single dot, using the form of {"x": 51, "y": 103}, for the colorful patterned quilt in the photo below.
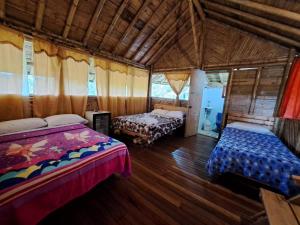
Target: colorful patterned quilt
{"x": 257, "y": 156}
{"x": 151, "y": 125}
{"x": 42, "y": 170}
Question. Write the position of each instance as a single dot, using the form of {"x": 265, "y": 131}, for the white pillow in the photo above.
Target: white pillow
{"x": 176, "y": 114}
{"x": 250, "y": 127}
{"x": 160, "y": 112}
{"x": 64, "y": 119}
{"x": 13, "y": 126}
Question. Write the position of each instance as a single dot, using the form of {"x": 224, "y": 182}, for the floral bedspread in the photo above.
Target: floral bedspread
{"x": 151, "y": 125}
{"x": 257, "y": 156}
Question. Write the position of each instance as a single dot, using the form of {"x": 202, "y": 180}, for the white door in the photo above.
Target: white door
{"x": 197, "y": 84}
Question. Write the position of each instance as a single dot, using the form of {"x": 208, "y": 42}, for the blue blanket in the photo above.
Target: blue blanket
{"x": 257, "y": 156}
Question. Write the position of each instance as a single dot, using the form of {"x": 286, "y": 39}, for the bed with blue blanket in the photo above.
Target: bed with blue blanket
{"x": 261, "y": 157}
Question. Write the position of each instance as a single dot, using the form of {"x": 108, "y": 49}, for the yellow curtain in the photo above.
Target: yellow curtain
{"x": 177, "y": 81}
{"x": 74, "y": 78}
{"x": 47, "y": 68}
{"x": 11, "y": 70}
{"x": 102, "y": 83}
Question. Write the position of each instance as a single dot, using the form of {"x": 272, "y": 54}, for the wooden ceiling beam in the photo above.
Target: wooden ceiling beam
{"x": 65, "y": 42}
{"x": 2, "y": 9}
{"x": 94, "y": 20}
{"x": 195, "y": 39}
{"x": 70, "y": 18}
{"x": 271, "y": 10}
{"x": 199, "y": 9}
{"x": 250, "y": 18}
{"x": 253, "y": 29}
{"x": 166, "y": 33}
{"x": 152, "y": 35}
{"x": 40, "y": 14}
{"x": 160, "y": 51}
{"x": 132, "y": 23}
{"x": 144, "y": 28}
{"x": 113, "y": 23}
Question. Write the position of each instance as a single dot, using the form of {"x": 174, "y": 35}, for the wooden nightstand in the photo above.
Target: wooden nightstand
{"x": 99, "y": 121}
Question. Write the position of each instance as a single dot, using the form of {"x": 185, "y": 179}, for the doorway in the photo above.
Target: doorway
{"x": 213, "y": 99}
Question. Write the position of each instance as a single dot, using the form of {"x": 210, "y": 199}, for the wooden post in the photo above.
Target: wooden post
{"x": 40, "y": 14}
{"x": 70, "y": 18}
{"x": 254, "y": 91}
{"x": 149, "y": 89}
{"x": 2, "y": 9}
{"x": 227, "y": 98}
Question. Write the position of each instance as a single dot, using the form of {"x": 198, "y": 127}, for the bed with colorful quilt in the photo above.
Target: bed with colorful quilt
{"x": 256, "y": 154}
{"x": 148, "y": 127}
{"x": 42, "y": 170}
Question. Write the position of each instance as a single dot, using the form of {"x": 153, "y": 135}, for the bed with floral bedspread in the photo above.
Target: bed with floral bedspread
{"x": 257, "y": 156}
{"x": 148, "y": 126}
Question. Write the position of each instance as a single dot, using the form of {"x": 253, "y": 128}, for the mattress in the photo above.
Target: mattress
{"x": 42, "y": 170}
{"x": 152, "y": 126}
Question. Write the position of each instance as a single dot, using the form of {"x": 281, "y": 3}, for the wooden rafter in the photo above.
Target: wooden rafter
{"x": 253, "y": 29}
{"x": 113, "y": 23}
{"x": 70, "y": 18}
{"x": 132, "y": 23}
{"x": 40, "y": 14}
{"x": 144, "y": 28}
{"x": 155, "y": 54}
{"x": 199, "y": 9}
{"x": 281, "y": 13}
{"x": 250, "y": 18}
{"x": 163, "y": 22}
{"x": 195, "y": 39}
{"x": 94, "y": 20}
{"x": 2, "y": 9}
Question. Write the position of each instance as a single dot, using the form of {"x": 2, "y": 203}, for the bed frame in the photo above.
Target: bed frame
{"x": 265, "y": 121}
{"x": 140, "y": 138}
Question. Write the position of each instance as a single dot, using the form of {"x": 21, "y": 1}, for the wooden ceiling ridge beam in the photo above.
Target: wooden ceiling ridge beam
{"x": 162, "y": 23}
{"x": 156, "y": 55}
{"x": 2, "y": 9}
{"x": 113, "y": 23}
{"x": 195, "y": 39}
{"x": 132, "y": 23}
{"x": 58, "y": 39}
{"x": 94, "y": 20}
{"x": 254, "y": 19}
{"x": 70, "y": 18}
{"x": 253, "y": 29}
{"x": 40, "y": 14}
{"x": 282, "y": 13}
{"x": 144, "y": 28}
{"x": 199, "y": 9}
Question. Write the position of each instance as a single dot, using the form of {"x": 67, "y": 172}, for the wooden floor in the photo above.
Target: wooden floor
{"x": 169, "y": 185}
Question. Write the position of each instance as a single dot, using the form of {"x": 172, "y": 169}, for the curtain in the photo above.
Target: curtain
{"x": 11, "y": 74}
{"x": 74, "y": 87}
{"x": 290, "y": 106}
{"x": 177, "y": 81}
{"x": 47, "y": 68}
{"x": 121, "y": 89}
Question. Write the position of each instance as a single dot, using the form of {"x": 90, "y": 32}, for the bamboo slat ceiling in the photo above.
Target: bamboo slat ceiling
{"x": 139, "y": 31}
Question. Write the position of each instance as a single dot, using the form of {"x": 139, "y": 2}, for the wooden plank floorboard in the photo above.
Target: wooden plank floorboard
{"x": 169, "y": 185}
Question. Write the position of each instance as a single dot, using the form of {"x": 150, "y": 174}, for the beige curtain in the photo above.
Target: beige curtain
{"x": 47, "y": 68}
{"x": 121, "y": 89}
{"x": 177, "y": 81}
{"x": 74, "y": 78}
{"x": 11, "y": 70}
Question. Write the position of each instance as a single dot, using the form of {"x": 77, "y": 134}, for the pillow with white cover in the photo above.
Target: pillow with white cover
{"x": 250, "y": 127}
{"x": 160, "y": 112}
{"x": 64, "y": 119}
{"x": 13, "y": 126}
{"x": 176, "y": 114}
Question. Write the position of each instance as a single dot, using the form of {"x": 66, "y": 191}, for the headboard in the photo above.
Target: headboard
{"x": 170, "y": 107}
{"x": 266, "y": 121}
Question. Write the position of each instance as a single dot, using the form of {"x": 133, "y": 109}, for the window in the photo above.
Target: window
{"x": 92, "y": 88}
{"x": 160, "y": 88}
